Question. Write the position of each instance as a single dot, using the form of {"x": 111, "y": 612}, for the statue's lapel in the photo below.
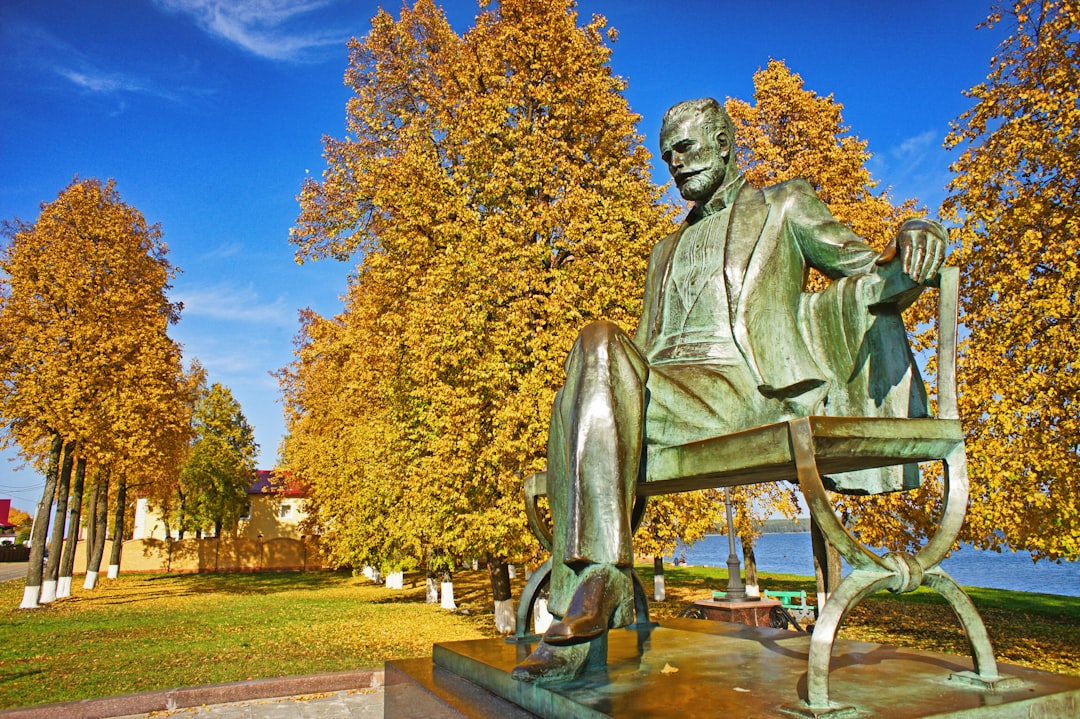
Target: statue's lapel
{"x": 748, "y": 216}
{"x": 664, "y": 262}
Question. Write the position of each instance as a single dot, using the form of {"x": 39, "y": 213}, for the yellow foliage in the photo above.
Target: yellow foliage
{"x": 1015, "y": 197}
{"x": 495, "y": 186}
{"x": 84, "y": 352}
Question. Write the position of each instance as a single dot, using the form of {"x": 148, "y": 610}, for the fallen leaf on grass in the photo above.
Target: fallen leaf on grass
{"x": 668, "y": 669}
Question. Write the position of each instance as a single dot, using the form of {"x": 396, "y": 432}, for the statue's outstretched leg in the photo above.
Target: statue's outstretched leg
{"x": 594, "y": 452}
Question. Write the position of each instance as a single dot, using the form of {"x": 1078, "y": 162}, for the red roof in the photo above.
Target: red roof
{"x": 283, "y": 484}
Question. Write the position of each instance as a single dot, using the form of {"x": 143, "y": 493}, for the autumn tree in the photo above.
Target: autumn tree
{"x": 20, "y": 522}
{"x": 1015, "y": 196}
{"x": 220, "y": 465}
{"x": 494, "y": 183}
{"x": 83, "y": 315}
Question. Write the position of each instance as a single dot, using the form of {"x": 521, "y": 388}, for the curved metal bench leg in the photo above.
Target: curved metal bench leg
{"x": 855, "y": 587}
{"x": 898, "y": 572}
{"x": 641, "y": 604}
{"x": 982, "y": 653}
{"x": 527, "y": 605}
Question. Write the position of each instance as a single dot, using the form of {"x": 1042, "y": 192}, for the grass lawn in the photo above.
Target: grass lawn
{"x": 143, "y": 632}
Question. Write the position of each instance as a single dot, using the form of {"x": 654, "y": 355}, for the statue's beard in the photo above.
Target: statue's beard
{"x": 702, "y": 185}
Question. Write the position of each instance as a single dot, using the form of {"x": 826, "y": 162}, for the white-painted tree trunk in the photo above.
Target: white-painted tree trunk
{"x": 63, "y": 588}
{"x": 753, "y": 590}
{"x": 30, "y": 598}
{"x": 448, "y": 596}
{"x": 541, "y": 616}
{"x": 659, "y": 588}
{"x": 395, "y": 580}
{"x": 369, "y": 572}
{"x": 528, "y": 574}
{"x": 114, "y": 571}
{"x": 48, "y": 591}
{"x": 432, "y": 595}
{"x": 511, "y": 571}
{"x": 505, "y": 617}
{"x": 91, "y": 580}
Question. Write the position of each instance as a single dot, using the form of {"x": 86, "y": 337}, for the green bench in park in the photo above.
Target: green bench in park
{"x": 805, "y": 451}
{"x": 787, "y": 599}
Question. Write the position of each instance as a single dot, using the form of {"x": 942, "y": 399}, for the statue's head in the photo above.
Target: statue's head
{"x": 697, "y": 140}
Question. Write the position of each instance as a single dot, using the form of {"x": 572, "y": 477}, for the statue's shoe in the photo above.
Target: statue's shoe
{"x": 604, "y": 598}
{"x": 552, "y": 664}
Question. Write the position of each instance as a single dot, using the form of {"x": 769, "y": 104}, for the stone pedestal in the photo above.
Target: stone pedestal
{"x": 754, "y": 612}
{"x": 691, "y": 668}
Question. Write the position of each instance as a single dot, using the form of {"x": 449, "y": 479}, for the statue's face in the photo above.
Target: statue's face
{"x": 695, "y": 157}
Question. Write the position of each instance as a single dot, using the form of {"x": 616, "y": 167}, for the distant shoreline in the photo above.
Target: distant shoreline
{"x": 778, "y": 526}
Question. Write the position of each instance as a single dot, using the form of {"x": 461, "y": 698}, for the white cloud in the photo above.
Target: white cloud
{"x": 101, "y": 82}
{"x": 266, "y": 28}
{"x": 915, "y": 149}
{"x": 45, "y": 52}
{"x": 225, "y": 303}
{"x": 916, "y": 167}
{"x": 224, "y": 250}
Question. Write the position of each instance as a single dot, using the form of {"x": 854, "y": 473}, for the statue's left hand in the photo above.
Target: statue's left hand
{"x": 921, "y": 246}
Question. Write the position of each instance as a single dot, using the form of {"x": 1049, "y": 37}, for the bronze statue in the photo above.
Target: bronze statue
{"x": 727, "y": 341}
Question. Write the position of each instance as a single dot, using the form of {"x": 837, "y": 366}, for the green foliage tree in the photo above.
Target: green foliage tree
{"x": 1015, "y": 196}
{"x": 496, "y": 188}
{"x": 220, "y": 466}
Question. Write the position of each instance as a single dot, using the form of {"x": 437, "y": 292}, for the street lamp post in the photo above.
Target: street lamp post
{"x": 736, "y": 590}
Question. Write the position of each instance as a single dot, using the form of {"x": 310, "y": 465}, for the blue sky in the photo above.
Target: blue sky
{"x": 209, "y": 114}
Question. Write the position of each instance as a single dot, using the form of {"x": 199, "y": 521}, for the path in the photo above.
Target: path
{"x": 12, "y": 570}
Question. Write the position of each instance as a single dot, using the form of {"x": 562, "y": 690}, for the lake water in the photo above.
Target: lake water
{"x": 792, "y": 554}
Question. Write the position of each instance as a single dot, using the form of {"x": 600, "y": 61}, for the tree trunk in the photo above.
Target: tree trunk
{"x": 447, "y": 591}
{"x": 826, "y": 565}
{"x": 431, "y": 596}
{"x": 91, "y": 519}
{"x": 56, "y": 544}
{"x": 67, "y": 562}
{"x": 658, "y": 583}
{"x": 41, "y": 527}
{"x": 505, "y": 618}
{"x": 181, "y": 519}
{"x": 750, "y": 568}
{"x": 101, "y": 522}
{"x": 118, "y": 528}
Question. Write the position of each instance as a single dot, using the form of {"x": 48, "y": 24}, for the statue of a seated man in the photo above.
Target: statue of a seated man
{"x": 721, "y": 347}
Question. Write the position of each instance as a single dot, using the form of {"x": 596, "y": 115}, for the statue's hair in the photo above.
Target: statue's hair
{"x": 715, "y": 114}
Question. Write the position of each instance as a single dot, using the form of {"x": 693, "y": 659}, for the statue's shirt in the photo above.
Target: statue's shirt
{"x": 695, "y": 325}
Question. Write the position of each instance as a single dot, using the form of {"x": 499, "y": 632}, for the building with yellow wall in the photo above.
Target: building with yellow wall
{"x": 276, "y": 510}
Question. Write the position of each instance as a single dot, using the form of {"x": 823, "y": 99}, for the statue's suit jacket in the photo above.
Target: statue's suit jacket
{"x": 840, "y": 352}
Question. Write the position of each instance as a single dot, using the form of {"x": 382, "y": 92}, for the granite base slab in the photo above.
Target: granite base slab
{"x": 694, "y": 668}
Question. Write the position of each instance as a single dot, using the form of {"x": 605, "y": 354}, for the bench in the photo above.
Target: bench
{"x": 803, "y": 451}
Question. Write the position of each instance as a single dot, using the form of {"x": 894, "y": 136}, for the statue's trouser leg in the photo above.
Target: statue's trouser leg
{"x": 594, "y": 456}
